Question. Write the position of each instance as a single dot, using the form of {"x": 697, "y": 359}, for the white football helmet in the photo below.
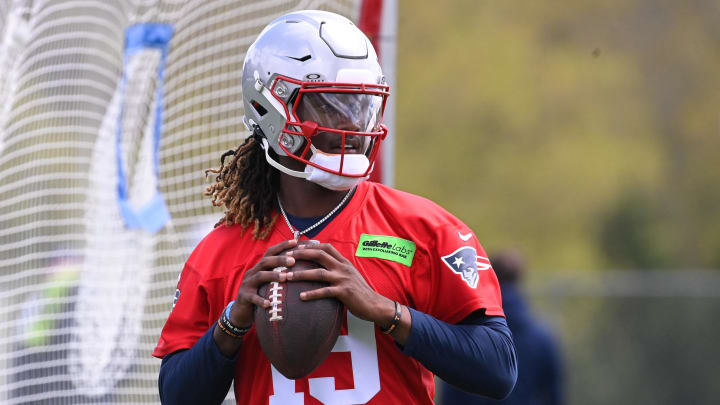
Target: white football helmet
{"x": 312, "y": 72}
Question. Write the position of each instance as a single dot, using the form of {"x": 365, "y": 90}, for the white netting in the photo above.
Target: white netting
{"x": 84, "y": 291}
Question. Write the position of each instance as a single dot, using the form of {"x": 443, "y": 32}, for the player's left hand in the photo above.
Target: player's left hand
{"x": 346, "y": 283}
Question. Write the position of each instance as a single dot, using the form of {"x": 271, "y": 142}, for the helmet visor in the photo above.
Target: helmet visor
{"x": 344, "y": 111}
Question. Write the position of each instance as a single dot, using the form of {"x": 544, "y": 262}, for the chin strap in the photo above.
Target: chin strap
{"x": 274, "y": 163}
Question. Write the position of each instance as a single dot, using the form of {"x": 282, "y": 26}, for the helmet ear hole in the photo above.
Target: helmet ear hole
{"x": 258, "y": 108}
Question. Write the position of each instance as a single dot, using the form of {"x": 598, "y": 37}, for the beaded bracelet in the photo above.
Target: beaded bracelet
{"x": 395, "y": 321}
{"x": 228, "y": 327}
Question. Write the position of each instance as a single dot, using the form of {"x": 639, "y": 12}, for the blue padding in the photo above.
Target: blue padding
{"x": 149, "y": 35}
{"x": 154, "y": 215}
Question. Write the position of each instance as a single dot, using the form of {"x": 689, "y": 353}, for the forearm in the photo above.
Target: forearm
{"x": 201, "y": 374}
{"x": 478, "y": 358}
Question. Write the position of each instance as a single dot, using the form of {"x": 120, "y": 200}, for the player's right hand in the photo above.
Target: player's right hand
{"x": 247, "y": 298}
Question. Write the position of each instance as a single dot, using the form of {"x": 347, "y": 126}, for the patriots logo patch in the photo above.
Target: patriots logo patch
{"x": 177, "y": 293}
{"x": 175, "y": 299}
{"x": 467, "y": 264}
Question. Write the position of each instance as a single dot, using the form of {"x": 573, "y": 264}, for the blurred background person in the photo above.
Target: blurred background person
{"x": 540, "y": 365}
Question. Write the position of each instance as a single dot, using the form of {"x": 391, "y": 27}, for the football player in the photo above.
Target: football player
{"x": 420, "y": 293}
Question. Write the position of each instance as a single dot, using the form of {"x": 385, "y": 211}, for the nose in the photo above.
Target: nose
{"x": 345, "y": 123}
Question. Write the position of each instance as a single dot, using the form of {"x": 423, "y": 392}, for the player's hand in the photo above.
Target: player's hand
{"x": 247, "y": 298}
{"x": 346, "y": 283}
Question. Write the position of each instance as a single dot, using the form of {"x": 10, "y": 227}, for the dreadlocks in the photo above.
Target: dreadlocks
{"x": 247, "y": 187}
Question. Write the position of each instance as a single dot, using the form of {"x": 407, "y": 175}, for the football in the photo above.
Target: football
{"x": 296, "y": 335}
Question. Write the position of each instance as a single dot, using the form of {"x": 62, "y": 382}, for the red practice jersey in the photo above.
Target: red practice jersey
{"x": 408, "y": 249}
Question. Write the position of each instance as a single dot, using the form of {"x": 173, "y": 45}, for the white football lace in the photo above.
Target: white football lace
{"x": 275, "y": 298}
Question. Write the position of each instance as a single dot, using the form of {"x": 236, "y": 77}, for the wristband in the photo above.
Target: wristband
{"x": 228, "y": 327}
{"x": 395, "y": 321}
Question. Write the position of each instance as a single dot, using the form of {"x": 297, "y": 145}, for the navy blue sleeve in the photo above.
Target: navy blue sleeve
{"x": 201, "y": 375}
{"x": 478, "y": 357}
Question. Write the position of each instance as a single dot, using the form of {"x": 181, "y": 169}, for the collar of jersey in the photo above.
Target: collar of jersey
{"x": 301, "y": 223}
{"x": 337, "y": 220}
